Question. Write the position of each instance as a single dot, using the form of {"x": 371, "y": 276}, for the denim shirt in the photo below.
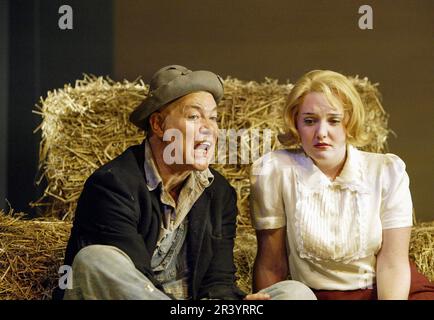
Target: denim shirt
{"x": 169, "y": 260}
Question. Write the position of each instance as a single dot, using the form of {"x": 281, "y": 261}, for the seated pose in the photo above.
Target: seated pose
{"x": 330, "y": 216}
{"x": 156, "y": 222}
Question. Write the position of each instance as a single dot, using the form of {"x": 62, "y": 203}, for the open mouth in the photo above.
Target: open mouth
{"x": 203, "y": 145}
{"x": 202, "y": 151}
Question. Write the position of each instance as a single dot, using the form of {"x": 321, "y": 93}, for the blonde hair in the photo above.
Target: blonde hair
{"x": 338, "y": 89}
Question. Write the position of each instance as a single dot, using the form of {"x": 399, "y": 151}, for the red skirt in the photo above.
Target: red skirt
{"x": 420, "y": 289}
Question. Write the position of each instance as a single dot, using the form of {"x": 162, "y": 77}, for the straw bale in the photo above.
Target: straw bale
{"x": 86, "y": 125}
{"x": 83, "y": 127}
{"x": 31, "y": 252}
{"x": 422, "y": 248}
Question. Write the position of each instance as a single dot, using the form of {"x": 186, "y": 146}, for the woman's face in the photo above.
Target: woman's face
{"x": 321, "y": 129}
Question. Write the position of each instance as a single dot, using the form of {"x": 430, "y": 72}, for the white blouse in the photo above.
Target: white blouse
{"x": 334, "y": 228}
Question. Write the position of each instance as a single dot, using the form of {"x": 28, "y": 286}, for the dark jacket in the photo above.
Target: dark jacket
{"x": 116, "y": 208}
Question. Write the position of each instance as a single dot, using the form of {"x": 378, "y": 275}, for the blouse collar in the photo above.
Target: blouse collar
{"x": 351, "y": 176}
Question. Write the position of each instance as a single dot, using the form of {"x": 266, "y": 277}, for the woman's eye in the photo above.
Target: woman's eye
{"x": 213, "y": 118}
{"x": 193, "y": 117}
{"x": 308, "y": 121}
{"x": 335, "y": 121}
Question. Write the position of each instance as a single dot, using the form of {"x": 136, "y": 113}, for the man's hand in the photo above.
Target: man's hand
{"x": 257, "y": 296}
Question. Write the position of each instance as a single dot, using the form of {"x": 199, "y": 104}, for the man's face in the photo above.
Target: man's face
{"x": 195, "y": 117}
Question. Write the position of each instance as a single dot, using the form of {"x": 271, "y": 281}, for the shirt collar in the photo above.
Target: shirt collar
{"x": 351, "y": 176}
{"x": 153, "y": 178}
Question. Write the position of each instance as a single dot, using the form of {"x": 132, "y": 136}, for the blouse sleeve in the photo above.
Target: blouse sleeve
{"x": 396, "y": 203}
{"x": 266, "y": 203}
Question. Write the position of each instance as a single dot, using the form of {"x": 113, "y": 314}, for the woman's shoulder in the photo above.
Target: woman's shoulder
{"x": 382, "y": 161}
{"x": 279, "y": 159}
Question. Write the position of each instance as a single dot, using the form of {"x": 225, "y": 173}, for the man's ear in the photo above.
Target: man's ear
{"x": 156, "y": 122}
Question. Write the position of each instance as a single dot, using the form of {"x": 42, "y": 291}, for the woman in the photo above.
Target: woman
{"x": 334, "y": 218}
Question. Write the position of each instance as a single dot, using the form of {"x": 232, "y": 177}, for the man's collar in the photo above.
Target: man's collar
{"x": 153, "y": 178}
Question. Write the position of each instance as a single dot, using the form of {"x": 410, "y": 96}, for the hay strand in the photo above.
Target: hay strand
{"x": 31, "y": 252}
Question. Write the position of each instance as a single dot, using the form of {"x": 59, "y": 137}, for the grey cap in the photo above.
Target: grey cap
{"x": 173, "y": 82}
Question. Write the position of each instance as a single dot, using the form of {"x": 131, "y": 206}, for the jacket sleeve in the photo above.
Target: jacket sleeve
{"x": 219, "y": 280}
{"x": 108, "y": 214}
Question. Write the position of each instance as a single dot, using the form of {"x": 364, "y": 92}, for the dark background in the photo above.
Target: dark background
{"x": 247, "y": 39}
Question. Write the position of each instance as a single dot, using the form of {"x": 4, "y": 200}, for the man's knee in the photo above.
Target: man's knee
{"x": 96, "y": 258}
{"x": 105, "y": 272}
{"x": 290, "y": 290}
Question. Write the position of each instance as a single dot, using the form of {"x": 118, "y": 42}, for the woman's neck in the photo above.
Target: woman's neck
{"x": 332, "y": 169}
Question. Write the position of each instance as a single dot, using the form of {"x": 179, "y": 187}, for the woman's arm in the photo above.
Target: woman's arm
{"x": 393, "y": 268}
{"x": 271, "y": 263}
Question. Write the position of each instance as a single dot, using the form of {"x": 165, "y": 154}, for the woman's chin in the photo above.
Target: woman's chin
{"x": 319, "y": 155}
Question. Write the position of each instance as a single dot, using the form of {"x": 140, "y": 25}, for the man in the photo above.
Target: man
{"x": 156, "y": 222}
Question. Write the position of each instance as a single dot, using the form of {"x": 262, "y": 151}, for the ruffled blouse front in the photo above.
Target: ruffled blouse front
{"x": 334, "y": 227}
